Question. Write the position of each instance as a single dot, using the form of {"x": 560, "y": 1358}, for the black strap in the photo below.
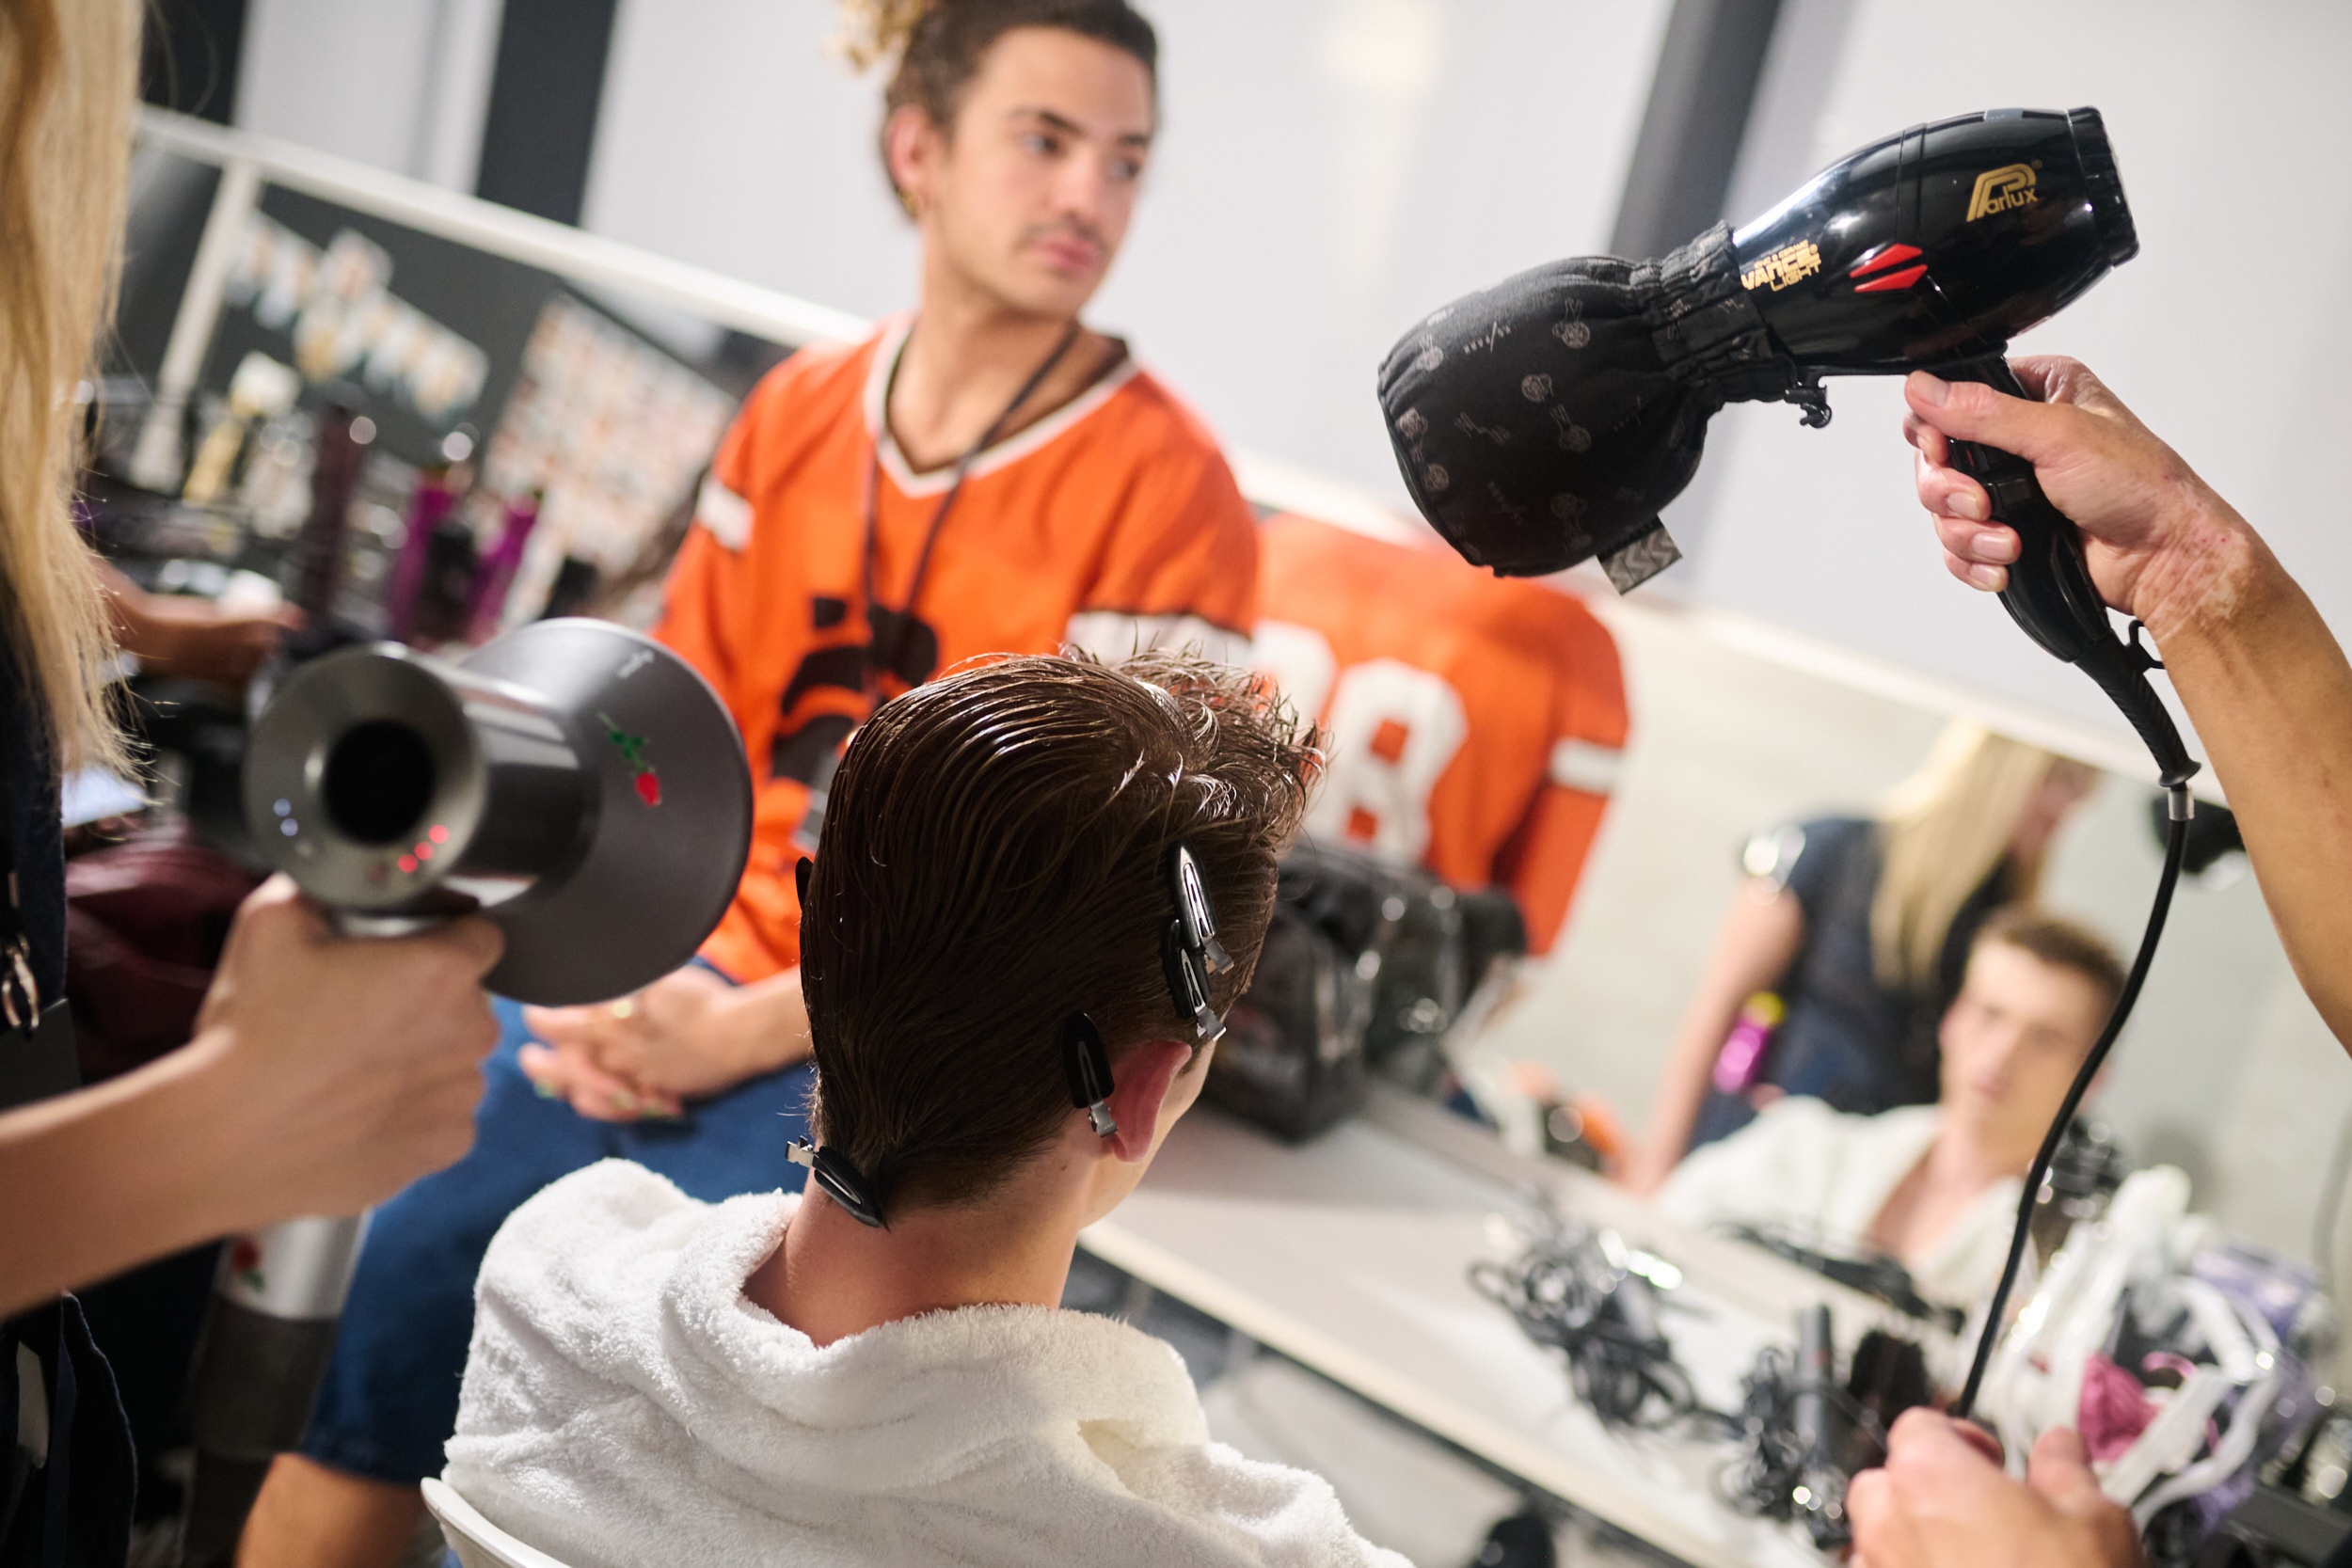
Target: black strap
{"x": 888, "y": 628}
{"x": 65, "y": 1397}
{"x": 43, "y": 1063}
{"x": 20, "y": 992}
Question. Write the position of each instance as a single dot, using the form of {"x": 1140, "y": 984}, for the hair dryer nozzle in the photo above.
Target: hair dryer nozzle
{"x": 2103, "y": 186}
{"x": 1544, "y": 421}
{"x": 578, "y": 784}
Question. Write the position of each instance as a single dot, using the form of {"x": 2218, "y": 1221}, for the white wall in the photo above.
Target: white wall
{"x": 1329, "y": 169}
{"x": 2228, "y": 122}
{"x": 401, "y": 85}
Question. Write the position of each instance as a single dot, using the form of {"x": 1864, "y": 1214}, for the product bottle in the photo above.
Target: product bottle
{"x": 442, "y": 614}
{"x": 428, "y": 504}
{"x": 337, "y": 454}
{"x": 1743, "y": 1055}
{"x": 499, "y": 566}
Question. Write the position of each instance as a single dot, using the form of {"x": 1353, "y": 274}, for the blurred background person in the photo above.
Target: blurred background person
{"x": 177, "y": 636}
{"x": 1860, "y": 929}
{"x": 1934, "y": 1187}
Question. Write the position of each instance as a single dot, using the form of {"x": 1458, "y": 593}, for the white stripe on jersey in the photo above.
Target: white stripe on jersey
{"x": 724, "y": 515}
{"x": 1112, "y": 634}
{"x": 1584, "y": 765}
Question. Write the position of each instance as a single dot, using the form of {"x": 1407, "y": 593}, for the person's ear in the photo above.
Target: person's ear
{"x": 911, "y": 150}
{"x": 1946, "y": 1025}
{"x": 1140, "y": 1094}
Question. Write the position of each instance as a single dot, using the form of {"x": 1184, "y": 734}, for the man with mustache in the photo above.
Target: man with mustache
{"x": 985, "y": 475}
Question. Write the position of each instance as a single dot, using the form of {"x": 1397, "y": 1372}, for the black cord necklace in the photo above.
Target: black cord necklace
{"x": 890, "y": 628}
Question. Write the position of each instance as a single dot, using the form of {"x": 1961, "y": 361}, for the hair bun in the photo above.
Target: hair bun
{"x": 874, "y": 31}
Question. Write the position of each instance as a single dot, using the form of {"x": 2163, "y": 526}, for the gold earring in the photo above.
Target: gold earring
{"x": 907, "y": 200}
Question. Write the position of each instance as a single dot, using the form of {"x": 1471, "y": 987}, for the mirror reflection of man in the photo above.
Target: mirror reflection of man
{"x": 986, "y": 475}
{"x": 1934, "y": 1187}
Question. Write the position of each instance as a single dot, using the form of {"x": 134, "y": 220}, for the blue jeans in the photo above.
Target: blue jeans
{"x": 389, "y": 1400}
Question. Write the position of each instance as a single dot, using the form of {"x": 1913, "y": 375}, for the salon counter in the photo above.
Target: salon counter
{"x": 1350, "y": 1255}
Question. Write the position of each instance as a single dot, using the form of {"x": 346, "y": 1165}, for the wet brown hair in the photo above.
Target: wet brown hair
{"x": 938, "y": 44}
{"x": 995, "y": 858}
{"x": 2059, "y": 943}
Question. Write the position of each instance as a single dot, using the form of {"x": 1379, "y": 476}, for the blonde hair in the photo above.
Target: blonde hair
{"x": 1942, "y": 832}
{"x": 873, "y": 31}
{"x": 68, "y": 77}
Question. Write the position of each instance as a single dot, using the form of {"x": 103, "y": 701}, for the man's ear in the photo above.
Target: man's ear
{"x": 1139, "y": 1093}
{"x": 911, "y": 150}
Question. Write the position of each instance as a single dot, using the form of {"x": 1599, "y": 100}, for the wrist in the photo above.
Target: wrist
{"x": 197, "y": 1108}
{"x": 2210, "y": 571}
{"x": 764, "y": 1023}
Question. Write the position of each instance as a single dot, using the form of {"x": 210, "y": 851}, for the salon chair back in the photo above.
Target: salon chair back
{"x": 478, "y": 1543}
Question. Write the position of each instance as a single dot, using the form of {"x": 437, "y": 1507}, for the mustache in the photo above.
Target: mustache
{"x": 1066, "y": 229}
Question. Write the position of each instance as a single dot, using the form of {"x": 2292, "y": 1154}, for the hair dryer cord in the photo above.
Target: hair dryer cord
{"x": 2175, "y": 845}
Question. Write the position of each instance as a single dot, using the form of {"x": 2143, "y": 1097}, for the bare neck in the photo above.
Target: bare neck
{"x": 969, "y": 353}
{"x": 834, "y": 1277}
{"x": 1942, "y": 1188}
{"x": 1964, "y": 1159}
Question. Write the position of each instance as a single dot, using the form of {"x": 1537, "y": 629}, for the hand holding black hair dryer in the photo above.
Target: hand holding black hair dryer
{"x": 580, "y": 786}
{"x": 1546, "y": 421}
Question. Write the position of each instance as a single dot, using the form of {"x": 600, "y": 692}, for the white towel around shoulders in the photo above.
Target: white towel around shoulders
{"x": 626, "y": 1406}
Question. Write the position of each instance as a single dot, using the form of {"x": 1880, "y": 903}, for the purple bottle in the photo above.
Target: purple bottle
{"x": 338, "y": 453}
{"x": 427, "y": 506}
{"x": 1741, "y": 1059}
{"x": 496, "y": 574}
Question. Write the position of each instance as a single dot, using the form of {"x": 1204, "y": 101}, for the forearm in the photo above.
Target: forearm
{"x": 1682, "y": 1085}
{"x": 96, "y": 1181}
{"x": 134, "y": 627}
{"x": 2270, "y": 694}
{"x": 1760, "y": 939}
{"x": 767, "y": 1023}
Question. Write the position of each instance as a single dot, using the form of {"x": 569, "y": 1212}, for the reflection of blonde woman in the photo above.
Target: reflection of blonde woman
{"x": 325, "y": 1073}
{"x": 1860, "y": 926}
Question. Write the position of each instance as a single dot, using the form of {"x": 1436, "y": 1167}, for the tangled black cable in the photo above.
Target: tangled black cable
{"x": 1879, "y": 1277}
{"x": 1783, "y": 1471}
{"x": 1568, "y": 1292}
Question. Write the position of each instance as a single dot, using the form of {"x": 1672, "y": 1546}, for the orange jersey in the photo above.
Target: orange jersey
{"x": 1113, "y": 524}
{"x": 1476, "y": 723}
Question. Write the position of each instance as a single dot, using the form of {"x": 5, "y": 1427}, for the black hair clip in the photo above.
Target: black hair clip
{"x": 1189, "y": 952}
{"x": 1088, "y": 1066}
{"x": 840, "y": 1181}
{"x": 1188, "y": 985}
{"x": 800, "y": 878}
{"x": 1194, "y": 913}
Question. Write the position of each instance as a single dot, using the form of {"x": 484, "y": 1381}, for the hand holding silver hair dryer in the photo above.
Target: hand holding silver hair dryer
{"x": 580, "y": 786}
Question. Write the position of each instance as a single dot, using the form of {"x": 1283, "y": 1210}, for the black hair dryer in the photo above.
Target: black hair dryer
{"x": 578, "y": 785}
{"x": 1547, "y": 419}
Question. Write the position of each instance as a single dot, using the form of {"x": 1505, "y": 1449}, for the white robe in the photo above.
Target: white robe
{"x": 1825, "y": 1175}
{"x": 626, "y": 1406}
